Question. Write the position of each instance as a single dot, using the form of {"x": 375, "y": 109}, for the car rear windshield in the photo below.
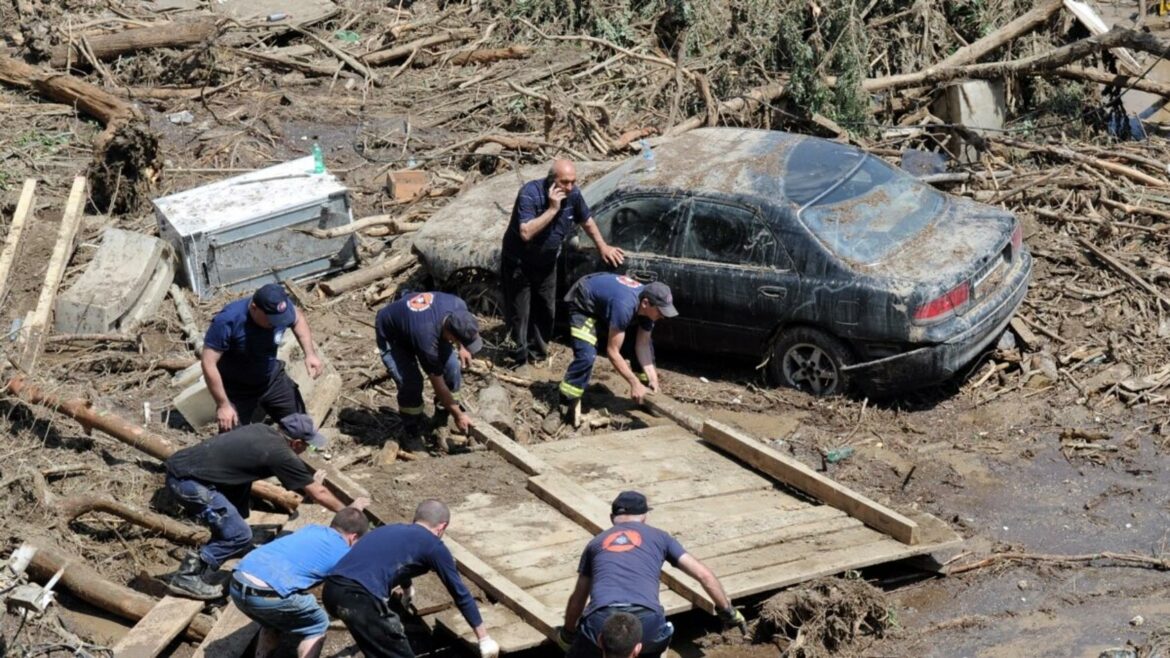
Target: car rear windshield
{"x": 861, "y": 208}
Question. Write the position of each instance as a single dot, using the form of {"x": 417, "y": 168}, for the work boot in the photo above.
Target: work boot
{"x": 412, "y": 434}
{"x": 571, "y": 412}
{"x": 191, "y": 580}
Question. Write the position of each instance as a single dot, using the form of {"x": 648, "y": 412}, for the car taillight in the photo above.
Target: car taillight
{"x": 951, "y": 302}
{"x": 1017, "y": 238}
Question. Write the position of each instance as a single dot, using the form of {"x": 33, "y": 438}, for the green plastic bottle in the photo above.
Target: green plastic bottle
{"x": 318, "y": 159}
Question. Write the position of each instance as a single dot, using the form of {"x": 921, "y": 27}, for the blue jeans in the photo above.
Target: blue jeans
{"x": 295, "y": 614}
{"x": 402, "y": 365}
{"x": 230, "y": 534}
{"x": 656, "y": 632}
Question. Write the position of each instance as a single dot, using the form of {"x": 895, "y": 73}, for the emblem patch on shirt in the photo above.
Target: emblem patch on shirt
{"x": 628, "y": 282}
{"x": 421, "y": 301}
{"x": 622, "y": 541}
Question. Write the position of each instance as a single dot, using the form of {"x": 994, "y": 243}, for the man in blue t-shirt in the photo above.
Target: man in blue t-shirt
{"x": 619, "y": 572}
{"x": 609, "y": 305}
{"x": 271, "y": 584}
{"x": 239, "y": 358}
{"x": 383, "y": 564}
{"x": 436, "y": 331}
{"x": 543, "y": 217}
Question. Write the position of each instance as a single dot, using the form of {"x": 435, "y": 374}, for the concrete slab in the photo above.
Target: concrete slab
{"x": 152, "y": 296}
{"x": 111, "y": 284}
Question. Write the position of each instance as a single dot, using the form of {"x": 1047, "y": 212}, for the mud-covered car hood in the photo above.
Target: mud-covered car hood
{"x": 468, "y": 231}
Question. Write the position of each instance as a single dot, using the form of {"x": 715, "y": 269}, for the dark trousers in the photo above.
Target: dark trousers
{"x": 279, "y": 398}
{"x": 230, "y": 533}
{"x": 402, "y": 365}
{"x": 656, "y": 632}
{"x": 375, "y": 628}
{"x": 530, "y": 297}
{"x": 587, "y": 339}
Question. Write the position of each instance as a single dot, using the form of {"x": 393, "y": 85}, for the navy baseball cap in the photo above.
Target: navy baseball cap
{"x": 629, "y": 502}
{"x": 301, "y": 426}
{"x": 466, "y": 329}
{"x": 659, "y": 295}
{"x": 274, "y": 301}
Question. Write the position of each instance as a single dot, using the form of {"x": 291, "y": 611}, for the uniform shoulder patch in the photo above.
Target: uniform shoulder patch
{"x": 420, "y": 302}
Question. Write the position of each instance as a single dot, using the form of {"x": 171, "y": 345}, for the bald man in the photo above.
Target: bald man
{"x": 542, "y": 219}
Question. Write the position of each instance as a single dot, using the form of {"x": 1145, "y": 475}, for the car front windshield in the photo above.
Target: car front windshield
{"x": 861, "y": 208}
{"x": 598, "y": 190}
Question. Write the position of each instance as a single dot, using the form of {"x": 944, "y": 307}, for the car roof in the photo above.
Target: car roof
{"x": 720, "y": 161}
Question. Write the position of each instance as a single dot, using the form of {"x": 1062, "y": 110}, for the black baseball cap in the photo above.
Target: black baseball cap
{"x": 274, "y": 301}
{"x": 301, "y": 426}
{"x": 629, "y": 502}
{"x": 466, "y": 329}
{"x": 659, "y": 295}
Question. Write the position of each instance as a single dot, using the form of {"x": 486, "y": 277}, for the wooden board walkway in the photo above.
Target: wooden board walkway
{"x": 761, "y": 520}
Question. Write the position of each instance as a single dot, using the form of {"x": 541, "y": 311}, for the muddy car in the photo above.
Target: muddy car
{"x": 833, "y": 266}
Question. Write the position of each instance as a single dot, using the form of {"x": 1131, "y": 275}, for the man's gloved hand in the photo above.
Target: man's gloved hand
{"x": 565, "y": 638}
{"x": 488, "y": 648}
{"x": 732, "y": 617}
{"x": 407, "y": 598}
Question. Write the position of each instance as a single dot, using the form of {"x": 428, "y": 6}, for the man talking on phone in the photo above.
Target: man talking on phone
{"x": 542, "y": 219}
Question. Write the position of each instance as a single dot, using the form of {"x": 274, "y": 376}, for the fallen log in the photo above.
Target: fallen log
{"x": 160, "y": 35}
{"x": 357, "y": 279}
{"x": 1017, "y": 27}
{"x": 488, "y": 55}
{"x": 1138, "y": 177}
{"x": 89, "y": 586}
{"x": 394, "y": 225}
{"x": 379, "y": 57}
{"x": 132, "y": 435}
{"x": 126, "y": 158}
{"x": 187, "y": 317}
{"x": 188, "y": 535}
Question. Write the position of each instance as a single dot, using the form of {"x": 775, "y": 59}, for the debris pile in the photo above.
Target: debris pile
{"x": 823, "y": 617}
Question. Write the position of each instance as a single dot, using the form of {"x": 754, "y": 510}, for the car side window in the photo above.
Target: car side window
{"x": 643, "y": 224}
{"x": 725, "y": 233}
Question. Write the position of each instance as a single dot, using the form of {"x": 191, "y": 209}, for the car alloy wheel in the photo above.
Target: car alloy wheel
{"x": 810, "y": 360}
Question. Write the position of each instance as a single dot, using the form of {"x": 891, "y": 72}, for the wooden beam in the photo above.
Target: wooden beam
{"x": 801, "y": 477}
{"x": 230, "y": 636}
{"x": 593, "y": 513}
{"x": 24, "y": 208}
{"x": 513, "y": 452}
{"x": 36, "y": 324}
{"x": 540, "y": 616}
{"x": 154, "y": 632}
{"x": 670, "y": 408}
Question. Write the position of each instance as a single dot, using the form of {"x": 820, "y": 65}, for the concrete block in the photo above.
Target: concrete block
{"x": 111, "y": 284}
{"x": 974, "y": 104}
{"x": 152, "y": 296}
{"x": 196, "y": 404}
{"x": 406, "y": 185}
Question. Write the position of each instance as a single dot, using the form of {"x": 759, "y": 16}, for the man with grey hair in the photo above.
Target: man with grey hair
{"x": 382, "y": 565}
{"x": 543, "y": 218}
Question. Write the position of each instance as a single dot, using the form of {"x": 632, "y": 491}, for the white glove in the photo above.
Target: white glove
{"x": 407, "y": 598}
{"x": 488, "y": 648}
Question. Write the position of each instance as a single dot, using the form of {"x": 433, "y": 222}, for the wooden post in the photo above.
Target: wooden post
{"x": 24, "y": 210}
{"x": 36, "y": 324}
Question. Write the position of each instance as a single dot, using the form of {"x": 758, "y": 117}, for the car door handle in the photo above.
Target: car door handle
{"x": 774, "y": 292}
{"x": 645, "y": 276}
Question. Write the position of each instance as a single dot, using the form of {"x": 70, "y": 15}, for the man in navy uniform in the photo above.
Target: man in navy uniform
{"x": 607, "y": 306}
{"x": 239, "y": 358}
{"x": 543, "y": 217}
{"x": 433, "y": 330}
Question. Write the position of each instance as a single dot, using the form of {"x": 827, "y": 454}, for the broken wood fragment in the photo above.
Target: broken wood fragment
{"x": 161, "y": 35}
{"x": 151, "y": 635}
{"x": 1121, "y": 268}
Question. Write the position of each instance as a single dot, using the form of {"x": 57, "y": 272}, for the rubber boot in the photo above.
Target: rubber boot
{"x": 571, "y": 411}
{"x": 191, "y": 580}
{"x": 412, "y": 433}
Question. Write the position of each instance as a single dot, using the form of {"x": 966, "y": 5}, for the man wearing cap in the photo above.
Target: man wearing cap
{"x": 619, "y": 572}
{"x": 609, "y": 305}
{"x": 239, "y": 357}
{"x": 543, "y": 217}
{"x": 383, "y": 564}
{"x": 436, "y": 331}
{"x": 213, "y": 480}
{"x": 271, "y": 584}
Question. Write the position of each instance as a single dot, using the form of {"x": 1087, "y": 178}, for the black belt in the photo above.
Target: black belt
{"x": 252, "y": 590}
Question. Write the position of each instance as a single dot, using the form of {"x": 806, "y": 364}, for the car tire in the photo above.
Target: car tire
{"x": 810, "y": 360}
{"x": 482, "y": 292}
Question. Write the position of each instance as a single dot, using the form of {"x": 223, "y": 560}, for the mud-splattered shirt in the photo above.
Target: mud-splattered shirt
{"x": 624, "y": 564}
{"x": 296, "y": 562}
{"x": 531, "y": 202}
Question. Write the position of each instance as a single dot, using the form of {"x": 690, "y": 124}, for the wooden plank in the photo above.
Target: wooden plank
{"x": 556, "y": 595}
{"x": 491, "y": 581}
{"x": 151, "y": 635}
{"x": 511, "y": 451}
{"x": 742, "y": 527}
{"x": 724, "y": 509}
{"x": 507, "y": 628}
{"x": 803, "y": 478}
{"x": 24, "y": 210}
{"x": 763, "y": 557}
{"x": 723, "y": 477}
{"x": 36, "y": 324}
{"x": 674, "y": 410}
{"x": 593, "y": 513}
{"x": 629, "y": 441}
{"x": 813, "y": 520}
{"x": 230, "y": 636}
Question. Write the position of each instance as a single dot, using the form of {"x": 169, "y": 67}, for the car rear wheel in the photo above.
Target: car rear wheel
{"x": 482, "y": 292}
{"x": 810, "y": 360}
